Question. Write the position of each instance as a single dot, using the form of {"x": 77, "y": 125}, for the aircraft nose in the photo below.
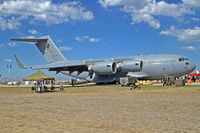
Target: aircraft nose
{"x": 192, "y": 66}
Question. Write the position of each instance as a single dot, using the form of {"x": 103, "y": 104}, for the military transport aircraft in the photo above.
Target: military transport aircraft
{"x": 109, "y": 70}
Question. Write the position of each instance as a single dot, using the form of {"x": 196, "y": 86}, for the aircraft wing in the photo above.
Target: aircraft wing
{"x": 58, "y": 66}
{"x": 75, "y": 65}
{"x": 63, "y": 66}
{"x": 111, "y": 59}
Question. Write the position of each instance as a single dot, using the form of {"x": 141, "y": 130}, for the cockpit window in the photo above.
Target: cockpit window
{"x": 183, "y": 59}
{"x": 180, "y": 59}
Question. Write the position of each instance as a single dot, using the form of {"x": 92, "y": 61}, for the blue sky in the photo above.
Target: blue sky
{"x": 95, "y": 29}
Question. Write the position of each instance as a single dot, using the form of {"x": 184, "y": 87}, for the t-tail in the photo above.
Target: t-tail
{"x": 47, "y": 47}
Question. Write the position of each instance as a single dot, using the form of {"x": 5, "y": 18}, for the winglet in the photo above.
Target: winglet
{"x": 20, "y": 64}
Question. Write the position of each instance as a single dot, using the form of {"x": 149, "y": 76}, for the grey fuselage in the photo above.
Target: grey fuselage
{"x": 154, "y": 68}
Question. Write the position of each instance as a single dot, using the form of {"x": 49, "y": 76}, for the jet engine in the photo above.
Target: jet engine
{"x": 130, "y": 66}
{"x": 103, "y": 68}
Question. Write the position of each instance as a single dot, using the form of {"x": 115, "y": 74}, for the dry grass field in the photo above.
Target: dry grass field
{"x": 101, "y": 109}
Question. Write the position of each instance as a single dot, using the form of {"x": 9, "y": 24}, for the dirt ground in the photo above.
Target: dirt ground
{"x": 101, "y": 109}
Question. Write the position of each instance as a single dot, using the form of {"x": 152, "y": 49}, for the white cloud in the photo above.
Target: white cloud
{"x": 91, "y": 39}
{"x": 137, "y": 18}
{"x": 185, "y": 35}
{"x": 146, "y": 10}
{"x": 9, "y": 44}
{"x": 65, "y": 48}
{"x": 196, "y": 19}
{"x": 106, "y": 3}
{"x": 32, "y": 31}
{"x": 29, "y": 37}
{"x": 192, "y": 3}
{"x": 13, "y": 44}
{"x": 173, "y": 10}
{"x": 94, "y": 39}
{"x": 190, "y": 48}
{"x": 8, "y": 60}
{"x": 78, "y": 39}
{"x": 12, "y": 11}
{"x": 2, "y": 45}
{"x": 10, "y": 23}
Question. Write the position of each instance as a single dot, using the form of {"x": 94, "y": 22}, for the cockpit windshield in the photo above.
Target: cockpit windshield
{"x": 183, "y": 59}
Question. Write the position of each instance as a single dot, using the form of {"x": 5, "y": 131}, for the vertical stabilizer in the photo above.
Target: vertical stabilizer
{"x": 47, "y": 47}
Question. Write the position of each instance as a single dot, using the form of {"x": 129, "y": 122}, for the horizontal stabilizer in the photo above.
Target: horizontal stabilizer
{"x": 30, "y": 40}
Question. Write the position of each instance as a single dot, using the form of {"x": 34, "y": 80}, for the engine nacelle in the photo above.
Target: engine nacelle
{"x": 103, "y": 68}
{"x": 131, "y": 66}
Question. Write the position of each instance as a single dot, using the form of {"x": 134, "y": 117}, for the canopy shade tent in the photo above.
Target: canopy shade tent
{"x": 38, "y": 76}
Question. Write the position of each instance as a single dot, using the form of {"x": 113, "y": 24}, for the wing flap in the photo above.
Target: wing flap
{"x": 62, "y": 66}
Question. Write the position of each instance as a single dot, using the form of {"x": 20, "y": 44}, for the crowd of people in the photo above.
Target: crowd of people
{"x": 40, "y": 87}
